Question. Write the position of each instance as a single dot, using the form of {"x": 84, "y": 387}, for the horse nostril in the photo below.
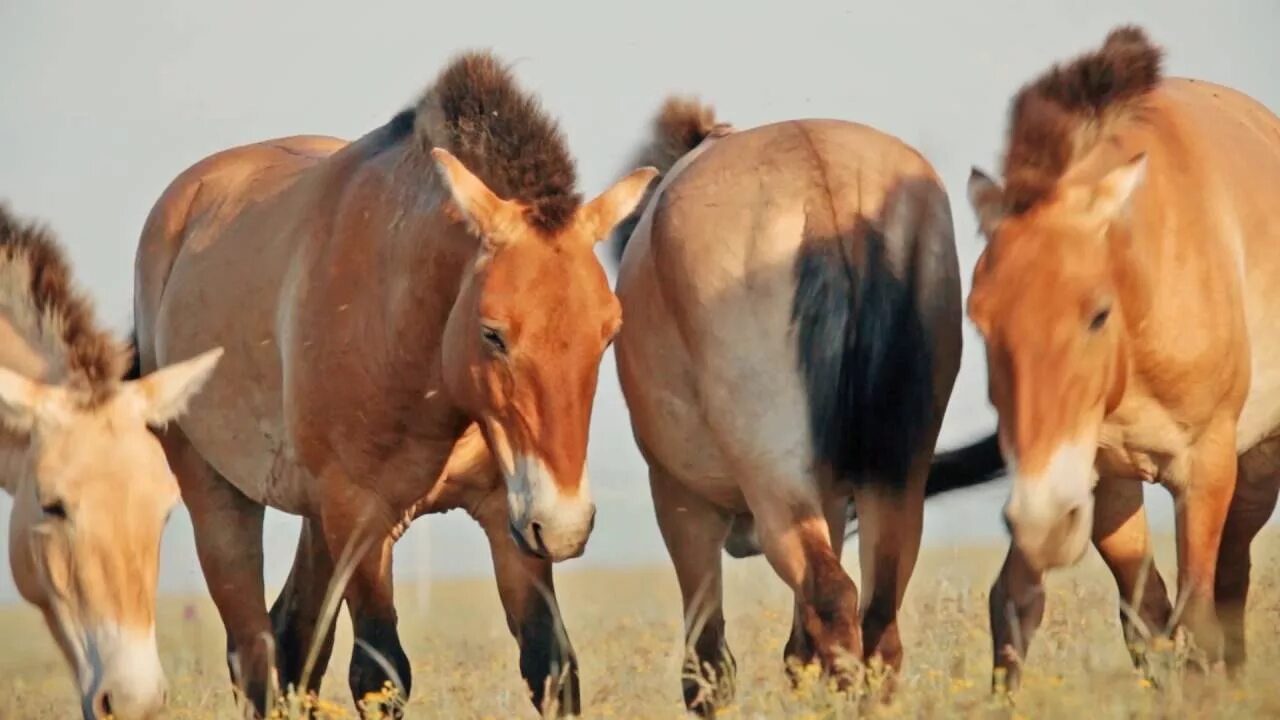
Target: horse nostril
{"x": 539, "y": 545}
{"x": 1073, "y": 516}
{"x": 103, "y": 704}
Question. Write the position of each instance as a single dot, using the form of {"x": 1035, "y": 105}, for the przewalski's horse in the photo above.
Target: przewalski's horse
{"x": 1128, "y": 299}
{"x": 377, "y": 299}
{"x": 91, "y": 489}
{"x": 792, "y": 299}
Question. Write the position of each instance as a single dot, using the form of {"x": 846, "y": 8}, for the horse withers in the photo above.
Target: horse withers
{"x": 91, "y": 489}
{"x": 378, "y": 300}
{"x": 1128, "y": 299}
{"x": 792, "y": 299}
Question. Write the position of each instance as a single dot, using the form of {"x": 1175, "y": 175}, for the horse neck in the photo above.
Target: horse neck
{"x": 424, "y": 256}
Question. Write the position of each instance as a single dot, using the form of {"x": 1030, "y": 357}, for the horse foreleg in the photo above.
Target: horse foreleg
{"x": 547, "y": 661}
{"x": 1251, "y": 507}
{"x": 1203, "y": 497}
{"x": 295, "y": 614}
{"x": 1016, "y": 604}
{"x": 1120, "y": 533}
{"x": 357, "y": 527}
{"x": 694, "y": 531}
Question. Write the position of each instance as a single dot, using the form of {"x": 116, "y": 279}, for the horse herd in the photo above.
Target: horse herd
{"x": 362, "y": 333}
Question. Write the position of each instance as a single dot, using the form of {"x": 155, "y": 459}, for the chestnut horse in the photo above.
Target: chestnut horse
{"x": 91, "y": 489}
{"x": 1128, "y": 300}
{"x": 792, "y": 298}
{"x": 378, "y": 301}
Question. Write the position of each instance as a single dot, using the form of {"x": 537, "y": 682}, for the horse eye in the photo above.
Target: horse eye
{"x": 55, "y": 510}
{"x": 494, "y": 338}
{"x": 1099, "y": 319}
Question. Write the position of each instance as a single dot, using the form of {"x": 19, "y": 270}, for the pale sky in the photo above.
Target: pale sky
{"x": 104, "y": 103}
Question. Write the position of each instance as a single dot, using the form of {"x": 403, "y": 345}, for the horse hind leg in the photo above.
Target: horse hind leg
{"x": 797, "y": 541}
{"x": 694, "y": 531}
{"x": 801, "y": 648}
{"x": 228, "y": 533}
{"x": 296, "y": 614}
{"x": 890, "y": 523}
{"x": 1252, "y": 504}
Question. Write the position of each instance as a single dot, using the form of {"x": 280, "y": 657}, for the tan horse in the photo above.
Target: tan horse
{"x": 792, "y": 299}
{"x": 89, "y": 481}
{"x": 1128, "y": 300}
{"x": 376, "y": 299}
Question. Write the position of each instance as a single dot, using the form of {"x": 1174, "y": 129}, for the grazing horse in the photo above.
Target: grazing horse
{"x": 379, "y": 300}
{"x": 1128, "y": 299}
{"x": 792, "y": 299}
{"x": 91, "y": 489}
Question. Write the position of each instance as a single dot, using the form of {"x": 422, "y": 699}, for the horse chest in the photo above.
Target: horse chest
{"x": 1139, "y": 440}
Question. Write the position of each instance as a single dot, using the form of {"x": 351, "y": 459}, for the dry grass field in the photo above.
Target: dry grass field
{"x": 625, "y": 625}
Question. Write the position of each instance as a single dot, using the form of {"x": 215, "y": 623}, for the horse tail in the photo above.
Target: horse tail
{"x": 865, "y": 357}
{"x": 681, "y": 124}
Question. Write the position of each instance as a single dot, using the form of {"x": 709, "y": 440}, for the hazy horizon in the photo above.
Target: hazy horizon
{"x": 104, "y": 107}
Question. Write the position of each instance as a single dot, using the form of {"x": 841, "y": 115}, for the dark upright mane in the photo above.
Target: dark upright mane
{"x": 1062, "y": 114}
{"x": 476, "y": 111}
{"x": 38, "y": 293}
{"x": 681, "y": 125}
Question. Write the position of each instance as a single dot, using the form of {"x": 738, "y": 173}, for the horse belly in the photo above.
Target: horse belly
{"x": 1260, "y": 417}
{"x": 236, "y": 422}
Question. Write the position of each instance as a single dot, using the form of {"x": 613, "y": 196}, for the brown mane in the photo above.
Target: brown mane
{"x": 476, "y": 111}
{"x": 680, "y": 125}
{"x": 39, "y": 294}
{"x": 1065, "y": 112}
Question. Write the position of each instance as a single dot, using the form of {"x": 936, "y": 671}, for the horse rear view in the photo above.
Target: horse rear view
{"x": 90, "y": 485}
{"x": 792, "y": 335}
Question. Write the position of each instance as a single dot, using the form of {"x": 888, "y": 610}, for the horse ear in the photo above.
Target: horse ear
{"x": 164, "y": 394}
{"x": 617, "y": 203}
{"x": 1112, "y": 194}
{"x": 487, "y": 215}
{"x": 987, "y": 198}
{"x": 20, "y": 400}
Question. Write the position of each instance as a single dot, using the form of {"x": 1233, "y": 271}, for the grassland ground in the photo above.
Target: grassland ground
{"x": 625, "y": 625}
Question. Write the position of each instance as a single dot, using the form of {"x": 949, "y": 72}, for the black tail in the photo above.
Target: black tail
{"x": 865, "y": 356}
{"x": 135, "y": 363}
{"x": 680, "y": 126}
{"x": 965, "y": 467}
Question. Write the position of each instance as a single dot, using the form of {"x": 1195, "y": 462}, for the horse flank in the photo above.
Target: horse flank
{"x": 476, "y": 111}
{"x": 680, "y": 125}
{"x": 39, "y": 295}
{"x": 1068, "y": 110}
